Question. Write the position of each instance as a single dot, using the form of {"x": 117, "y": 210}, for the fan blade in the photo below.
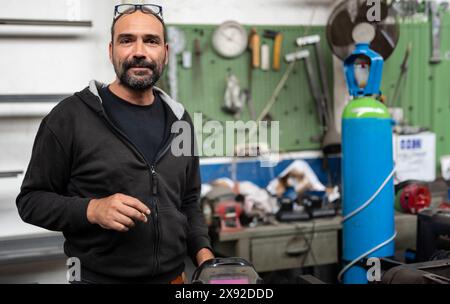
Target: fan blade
{"x": 385, "y": 41}
{"x": 348, "y": 14}
{"x": 340, "y": 30}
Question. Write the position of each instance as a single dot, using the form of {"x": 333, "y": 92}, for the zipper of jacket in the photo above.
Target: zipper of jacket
{"x": 154, "y": 180}
{"x": 155, "y": 193}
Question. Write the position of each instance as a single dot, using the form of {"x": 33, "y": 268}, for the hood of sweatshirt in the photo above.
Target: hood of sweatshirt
{"x": 176, "y": 107}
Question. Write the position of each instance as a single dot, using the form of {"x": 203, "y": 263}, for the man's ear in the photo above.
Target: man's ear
{"x": 166, "y": 61}
{"x": 110, "y": 52}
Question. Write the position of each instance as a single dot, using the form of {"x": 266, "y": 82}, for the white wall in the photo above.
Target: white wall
{"x": 276, "y": 12}
{"x": 34, "y": 65}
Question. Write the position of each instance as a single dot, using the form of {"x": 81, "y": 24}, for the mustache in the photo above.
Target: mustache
{"x": 139, "y": 63}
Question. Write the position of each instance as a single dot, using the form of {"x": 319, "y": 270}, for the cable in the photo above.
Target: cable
{"x": 364, "y": 255}
{"x": 371, "y": 199}
{"x": 359, "y": 209}
{"x": 309, "y": 242}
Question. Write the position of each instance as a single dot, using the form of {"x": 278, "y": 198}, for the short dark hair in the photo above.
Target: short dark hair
{"x": 157, "y": 17}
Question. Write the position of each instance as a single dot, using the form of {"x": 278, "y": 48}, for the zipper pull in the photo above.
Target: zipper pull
{"x": 154, "y": 181}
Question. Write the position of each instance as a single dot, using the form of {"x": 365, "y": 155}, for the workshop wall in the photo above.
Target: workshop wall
{"x": 256, "y": 12}
{"x": 202, "y": 87}
{"x": 425, "y": 95}
{"x": 36, "y": 65}
{"x": 61, "y": 64}
{"x": 35, "y": 60}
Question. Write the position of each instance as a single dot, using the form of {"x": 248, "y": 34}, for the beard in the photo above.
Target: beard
{"x": 141, "y": 80}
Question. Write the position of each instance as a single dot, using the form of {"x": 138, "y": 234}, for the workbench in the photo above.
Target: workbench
{"x": 301, "y": 244}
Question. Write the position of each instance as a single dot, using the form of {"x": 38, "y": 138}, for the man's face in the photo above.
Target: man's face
{"x": 138, "y": 50}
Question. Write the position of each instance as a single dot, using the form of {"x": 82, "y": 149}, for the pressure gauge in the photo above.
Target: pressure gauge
{"x": 230, "y": 39}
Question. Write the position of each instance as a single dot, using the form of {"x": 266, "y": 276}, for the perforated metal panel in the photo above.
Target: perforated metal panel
{"x": 425, "y": 97}
{"x": 202, "y": 88}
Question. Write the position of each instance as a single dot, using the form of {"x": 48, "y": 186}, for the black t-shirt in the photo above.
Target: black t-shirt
{"x": 144, "y": 125}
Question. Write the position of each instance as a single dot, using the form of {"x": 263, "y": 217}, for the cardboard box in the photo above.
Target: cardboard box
{"x": 415, "y": 157}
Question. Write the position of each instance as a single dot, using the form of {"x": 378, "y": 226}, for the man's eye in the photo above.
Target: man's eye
{"x": 152, "y": 41}
{"x": 125, "y": 41}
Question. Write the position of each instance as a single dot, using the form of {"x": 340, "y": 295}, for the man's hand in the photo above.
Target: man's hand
{"x": 117, "y": 212}
{"x": 203, "y": 255}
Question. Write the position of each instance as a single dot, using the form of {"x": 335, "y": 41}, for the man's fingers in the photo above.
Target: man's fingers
{"x": 119, "y": 227}
{"x": 136, "y": 204}
{"x": 132, "y": 213}
{"x": 124, "y": 220}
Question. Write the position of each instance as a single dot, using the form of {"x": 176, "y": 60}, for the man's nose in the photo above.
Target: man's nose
{"x": 139, "y": 49}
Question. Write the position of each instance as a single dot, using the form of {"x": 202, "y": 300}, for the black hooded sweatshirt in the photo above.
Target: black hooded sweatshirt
{"x": 79, "y": 155}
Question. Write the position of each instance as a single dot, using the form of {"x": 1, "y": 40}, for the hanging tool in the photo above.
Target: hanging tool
{"x": 315, "y": 40}
{"x": 320, "y": 104}
{"x": 234, "y": 99}
{"x": 186, "y": 59}
{"x": 280, "y": 85}
{"x": 177, "y": 42}
{"x": 254, "y": 46}
{"x": 197, "y": 70}
{"x": 325, "y": 93}
{"x": 435, "y": 32}
{"x": 401, "y": 77}
{"x": 265, "y": 113}
{"x": 331, "y": 140}
{"x": 255, "y": 62}
{"x": 265, "y": 57}
{"x": 277, "y": 41}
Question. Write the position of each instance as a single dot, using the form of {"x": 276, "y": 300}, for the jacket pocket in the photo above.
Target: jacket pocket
{"x": 107, "y": 243}
{"x": 173, "y": 226}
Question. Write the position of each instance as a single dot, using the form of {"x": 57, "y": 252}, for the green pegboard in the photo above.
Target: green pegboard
{"x": 425, "y": 97}
{"x": 202, "y": 87}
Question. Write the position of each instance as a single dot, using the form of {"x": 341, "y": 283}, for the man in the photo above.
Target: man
{"x": 102, "y": 169}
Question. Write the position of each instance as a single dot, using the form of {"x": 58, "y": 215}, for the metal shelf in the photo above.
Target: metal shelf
{"x": 39, "y": 22}
{"x": 28, "y": 105}
{"x": 31, "y": 248}
{"x": 6, "y": 174}
{"x": 35, "y": 28}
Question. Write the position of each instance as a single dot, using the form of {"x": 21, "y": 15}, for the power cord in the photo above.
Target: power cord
{"x": 359, "y": 209}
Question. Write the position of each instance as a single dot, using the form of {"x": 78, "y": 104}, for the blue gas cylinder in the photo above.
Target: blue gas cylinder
{"x": 367, "y": 162}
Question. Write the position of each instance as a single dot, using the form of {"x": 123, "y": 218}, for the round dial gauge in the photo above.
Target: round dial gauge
{"x": 230, "y": 39}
